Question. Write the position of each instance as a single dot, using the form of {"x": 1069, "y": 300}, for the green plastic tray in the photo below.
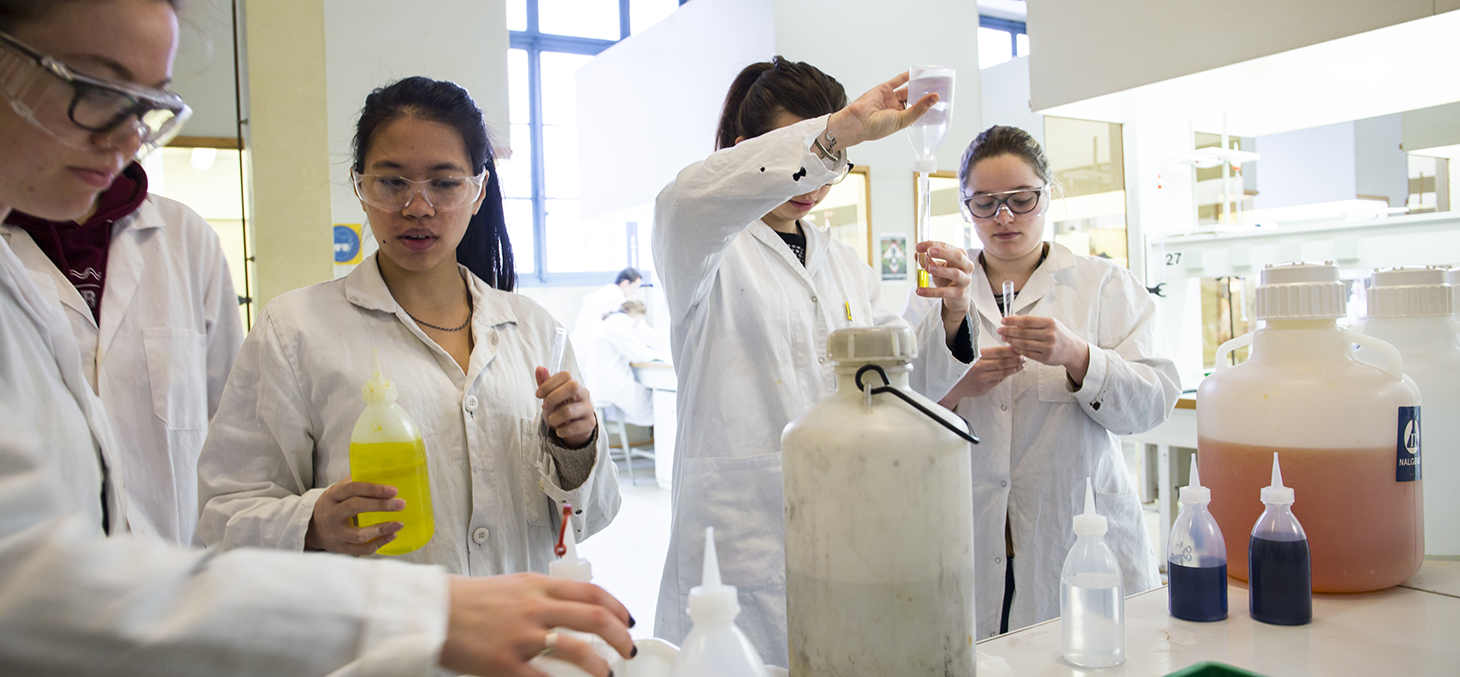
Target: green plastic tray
{"x": 1213, "y": 669}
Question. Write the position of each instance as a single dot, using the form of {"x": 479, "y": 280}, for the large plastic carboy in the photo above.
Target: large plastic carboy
{"x": 1342, "y": 425}
{"x": 714, "y": 647}
{"x": 1092, "y": 601}
{"x": 1411, "y": 309}
{"x": 1196, "y": 562}
{"x": 386, "y": 448}
{"x": 879, "y": 522}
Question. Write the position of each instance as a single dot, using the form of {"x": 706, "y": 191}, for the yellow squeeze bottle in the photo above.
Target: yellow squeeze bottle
{"x": 386, "y": 448}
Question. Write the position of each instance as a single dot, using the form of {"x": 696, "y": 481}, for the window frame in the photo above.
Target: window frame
{"x": 1014, "y": 28}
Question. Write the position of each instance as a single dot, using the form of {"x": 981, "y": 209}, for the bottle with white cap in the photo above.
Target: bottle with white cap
{"x": 1411, "y": 308}
{"x": 1197, "y": 560}
{"x": 573, "y": 568}
{"x": 714, "y": 647}
{"x": 1348, "y": 431}
{"x": 1092, "y": 602}
{"x": 1280, "y": 589}
{"x": 386, "y": 447}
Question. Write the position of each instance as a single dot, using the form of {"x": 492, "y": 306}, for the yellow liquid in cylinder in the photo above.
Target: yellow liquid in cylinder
{"x": 403, "y": 466}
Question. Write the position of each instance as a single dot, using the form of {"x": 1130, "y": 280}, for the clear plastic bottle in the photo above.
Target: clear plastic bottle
{"x": 1280, "y": 587}
{"x": 1197, "y": 560}
{"x": 714, "y": 647}
{"x": 928, "y": 131}
{"x": 574, "y": 568}
{"x": 1092, "y": 601}
{"x": 386, "y": 448}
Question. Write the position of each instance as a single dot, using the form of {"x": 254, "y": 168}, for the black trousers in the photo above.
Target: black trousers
{"x": 1008, "y": 594}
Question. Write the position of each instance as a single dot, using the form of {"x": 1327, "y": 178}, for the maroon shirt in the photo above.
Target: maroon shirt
{"x": 79, "y": 250}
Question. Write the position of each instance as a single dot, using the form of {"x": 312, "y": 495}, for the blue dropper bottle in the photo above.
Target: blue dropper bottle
{"x": 1280, "y": 583}
{"x": 1197, "y": 559}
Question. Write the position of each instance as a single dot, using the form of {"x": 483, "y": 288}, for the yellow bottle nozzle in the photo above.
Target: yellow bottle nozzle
{"x": 378, "y": 388}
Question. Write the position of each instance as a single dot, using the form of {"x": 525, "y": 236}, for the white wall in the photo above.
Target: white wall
{"x": 1005, "y": 89}
{"x": 1307, "y": 166}
{"x": 1084, "y": 49}
{"x": 203, "y": 71}
{"x": 371, "y": 43}
{"x": 647, "y": 106}
{"x": 1381, "y": 167}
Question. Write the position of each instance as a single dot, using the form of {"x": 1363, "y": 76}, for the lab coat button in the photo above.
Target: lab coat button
{"x": 813, "y": 299}
{"x": 998, "y": 560}
{"x": 471, "y": 402}
{"x": 479, "y": 535}
{"x": 1003, "y": 483}
{"x": 1003, "y": 407}
{"x": 821, "y": 360}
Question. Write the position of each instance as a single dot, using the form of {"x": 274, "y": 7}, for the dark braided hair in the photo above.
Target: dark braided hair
{"x": 485, "y": 249}
{"x": 766, "y": 88}
{"x": 16, "y": 12}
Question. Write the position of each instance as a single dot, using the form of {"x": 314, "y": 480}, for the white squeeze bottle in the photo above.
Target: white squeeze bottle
{"x": 571, "y": 567}
{"x": 1092, "y": 603}
{"x": 714, "y": 646}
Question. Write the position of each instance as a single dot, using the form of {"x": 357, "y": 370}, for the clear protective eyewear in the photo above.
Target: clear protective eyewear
{"x": 51, "y": 96}
{"x": 1017, "y": 201}
{"x": 392, "y": 193}
{"x": 841, "y": 176}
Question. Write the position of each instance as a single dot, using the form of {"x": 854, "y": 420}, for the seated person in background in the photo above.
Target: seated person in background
{"x": 604, "y": 300}
{"x": 621, "y": 340}
{"x": 507, "y": 443}
{"x": 147, "y": 291}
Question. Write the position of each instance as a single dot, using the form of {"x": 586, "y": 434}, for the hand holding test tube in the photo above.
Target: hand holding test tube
{"x": 566, "y": 406}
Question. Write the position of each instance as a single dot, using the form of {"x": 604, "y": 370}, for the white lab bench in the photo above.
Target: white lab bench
{"x": 1408, "y": 630}
{"x": 660, "y": 377}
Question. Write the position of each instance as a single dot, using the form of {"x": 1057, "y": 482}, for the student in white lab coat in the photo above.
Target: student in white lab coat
{"x": 1055, "y": 383}
{"x": 622, "y": 339}
{"x": 753, "y": 295}
{"x": 507, "y": 444}
{"x": 598, "y": 303}
{"x": 148, "y": 293}
{"x": 73, "y": 600}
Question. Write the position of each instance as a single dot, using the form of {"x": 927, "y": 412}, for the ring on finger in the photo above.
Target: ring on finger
{"x": 550, "y": 644}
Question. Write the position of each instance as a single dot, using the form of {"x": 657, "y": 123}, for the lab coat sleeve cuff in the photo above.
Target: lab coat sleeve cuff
{"x": 298, "y": 524}
{"x": 405, "y": 621}
{"x": 552, "y": 481}
{"x": 942, "y": 369}
{"x": 1091, "y": 392}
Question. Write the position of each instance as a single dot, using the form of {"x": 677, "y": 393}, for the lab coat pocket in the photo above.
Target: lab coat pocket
{"x": 536, "y": 506}
{"x": 1053, "y": 383}
{"x": 742, "y": 499}
{"x": 177, "y": 370}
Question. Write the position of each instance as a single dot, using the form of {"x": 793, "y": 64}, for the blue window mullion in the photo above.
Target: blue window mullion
{"x": 539, "y": 193}
{"x": 623, "y": 19}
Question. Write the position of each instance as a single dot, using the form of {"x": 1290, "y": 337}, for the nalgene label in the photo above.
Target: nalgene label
{"x": 1407, "y": 453}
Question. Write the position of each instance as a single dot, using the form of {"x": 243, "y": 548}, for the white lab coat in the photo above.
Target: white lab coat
{"x": 616, "y": 345}
{"x": 168, "y": 336}
{"x": 1040, "y": 440}
{"x": 748, "y": 335}
{"x": 75, "y": 603}
{"x": 282, "y": 434}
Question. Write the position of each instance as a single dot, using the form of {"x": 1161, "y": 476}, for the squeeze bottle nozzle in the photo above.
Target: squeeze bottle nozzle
{"x": 569, "y": 566}
{"x": 378, "y": 388}
{"x": 712, "y": 598}
{"x": 1276, "y": 493}
{"x": 1194, "y": 492}
{"x": 1090, "y": 523}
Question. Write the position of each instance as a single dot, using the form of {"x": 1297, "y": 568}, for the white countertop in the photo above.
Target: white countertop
{"x": 1413, "y": 629}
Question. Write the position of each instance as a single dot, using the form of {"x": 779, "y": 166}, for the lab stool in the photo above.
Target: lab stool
{"x": 614, "y": 425}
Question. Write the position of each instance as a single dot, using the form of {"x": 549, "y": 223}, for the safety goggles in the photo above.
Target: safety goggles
{"x": 392, "y": 193}
{"x": 1018, "y": 201}
{"x": 54, "y": 98}
{"x": 842, "y": 174}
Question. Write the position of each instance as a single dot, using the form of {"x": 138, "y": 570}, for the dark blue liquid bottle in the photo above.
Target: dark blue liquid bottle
{"x": 1281, "y": 581}
{"x": 1198, "y": 593}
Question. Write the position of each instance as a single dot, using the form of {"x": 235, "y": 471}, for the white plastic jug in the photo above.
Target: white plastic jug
{"x": 879, "y": 523}
{"x": 1411, "y": 308}
{"x": 1343, "y": 426}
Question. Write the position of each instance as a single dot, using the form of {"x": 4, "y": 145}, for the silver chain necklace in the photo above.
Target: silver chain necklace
{"x": 469, "y": 312}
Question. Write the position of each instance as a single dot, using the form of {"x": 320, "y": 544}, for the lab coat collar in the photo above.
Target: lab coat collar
{"x": 124, "y": 265}
{"x": 365, "y": 288}
{"x": 816, "y": 245}
{"x": 1043, "y": 280}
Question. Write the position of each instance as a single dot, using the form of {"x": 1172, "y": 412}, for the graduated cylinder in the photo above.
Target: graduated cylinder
{"x": 879, "y": 525}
